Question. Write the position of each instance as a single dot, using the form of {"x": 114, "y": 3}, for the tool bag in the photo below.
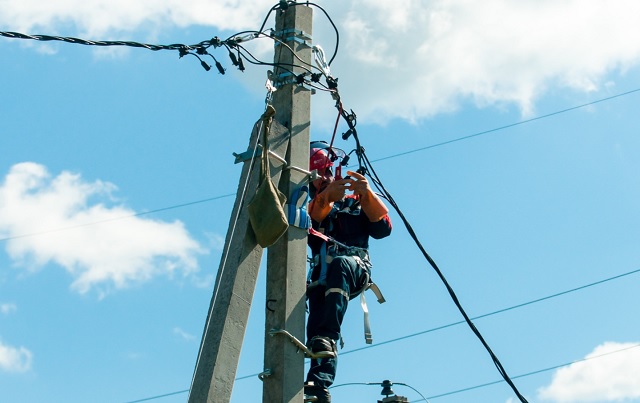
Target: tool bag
{"x": 266, "y": 212}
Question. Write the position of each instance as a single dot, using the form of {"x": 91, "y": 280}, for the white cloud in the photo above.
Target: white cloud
{"x": 609, "y": 374}
{"x": 112, "y": 17}
{"x": 113, "y": 253}
{"x": 423, "y": 58}
{"x": 7, "y": 308}
{"x": 184, "y": 335}
{"x": 411, "y": 59}
{"x": 14, "y": 359}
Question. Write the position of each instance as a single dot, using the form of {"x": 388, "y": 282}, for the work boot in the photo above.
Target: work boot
{"x": 316, "y": 394}
{"x": 322, "y": 347}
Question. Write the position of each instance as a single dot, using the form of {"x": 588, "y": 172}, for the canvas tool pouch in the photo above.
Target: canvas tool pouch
{"x": 266, "y": 212}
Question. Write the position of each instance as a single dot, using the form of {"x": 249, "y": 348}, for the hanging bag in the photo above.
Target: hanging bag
{"x": 266, "y": 212}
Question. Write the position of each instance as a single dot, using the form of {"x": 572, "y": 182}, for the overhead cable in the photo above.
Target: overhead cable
{"x": 508, "y": 126}
{"x": 466, "y": 389}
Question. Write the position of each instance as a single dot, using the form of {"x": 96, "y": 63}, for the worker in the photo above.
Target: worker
{"x": 345, "y": 212}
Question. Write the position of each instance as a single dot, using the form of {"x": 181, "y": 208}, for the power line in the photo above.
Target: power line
{"x": 508, "y": 126}
{"x": 496, "y": 312}
{"x": 461, "y": 322}
{"x": 115, "y": 219}
{"x": 532, "y": 373}
{"x": 441, "y": 394}
{"x": 376, "y": 160}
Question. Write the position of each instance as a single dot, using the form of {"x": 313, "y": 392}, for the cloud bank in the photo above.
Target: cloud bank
{"x": 14, "y": 359}
{"x": 409, "y": 60}
{"x": 113, "y": 253}
{"x": 612, "y": 377}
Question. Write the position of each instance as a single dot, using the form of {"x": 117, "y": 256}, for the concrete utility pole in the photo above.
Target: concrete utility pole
{"x": 224, "y": 331}
{"x": 286, "y": 268}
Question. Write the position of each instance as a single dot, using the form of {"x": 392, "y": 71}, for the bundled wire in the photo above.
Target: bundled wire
{"x": 366, "y": 167}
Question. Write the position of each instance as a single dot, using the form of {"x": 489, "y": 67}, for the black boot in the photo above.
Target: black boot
{"x": 322, "y": 347}
{"x": 316, "y": 394}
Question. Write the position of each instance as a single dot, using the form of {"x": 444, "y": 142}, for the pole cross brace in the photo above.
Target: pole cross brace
{"x": 246, "y": 156}
{"x": 301, "y": 346}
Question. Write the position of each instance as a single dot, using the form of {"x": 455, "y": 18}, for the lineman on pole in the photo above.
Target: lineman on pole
{"x": 341, "y": 226}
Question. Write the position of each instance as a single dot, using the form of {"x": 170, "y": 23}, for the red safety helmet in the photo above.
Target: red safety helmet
{"x": 322, "y": 157}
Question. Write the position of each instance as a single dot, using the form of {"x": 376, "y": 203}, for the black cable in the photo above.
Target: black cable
{"x": 453, "y": 295}
{"x": 46, "y": 38}
{"x": 380, "y": 384}
{"x": 509, "y": 125}
{"x": 293, "y": 3}
{"x": 533, "y": 372}
{"x": 435, "y": 396}
{"x": 510, "y": 308}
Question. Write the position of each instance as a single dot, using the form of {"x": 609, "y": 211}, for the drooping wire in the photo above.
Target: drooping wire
{"x": 285, "y": 4}
{"x": 454, "y": 297}
{"x": 380, "y": 384}
{"x": 439, "y": 395}
{"x": 365, "y": 167}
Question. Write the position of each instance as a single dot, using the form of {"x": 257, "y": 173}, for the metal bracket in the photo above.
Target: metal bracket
{"x": 301, "y": 346}
{"x": 288, "y": 77}
{"x": 264, "y": 374}
{"x": 295, "y": 35}
{"x": 247, "y": 155}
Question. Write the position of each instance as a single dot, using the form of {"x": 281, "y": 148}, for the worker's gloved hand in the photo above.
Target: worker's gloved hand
{"x": 322, "y": 204}
{"x": 372, "y": 206}
{"x": 359, "y": 185}
{"x": 336, "y": 190}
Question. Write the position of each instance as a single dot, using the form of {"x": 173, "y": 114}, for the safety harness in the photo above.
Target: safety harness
{"x": 361, "y": 257}
{"x": 331, "y": 248}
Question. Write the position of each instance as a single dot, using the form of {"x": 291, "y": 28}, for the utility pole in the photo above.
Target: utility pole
{"x": 225, "y": 327}
{"x": 286, "y": 259}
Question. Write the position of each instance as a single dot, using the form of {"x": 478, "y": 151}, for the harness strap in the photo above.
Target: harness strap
{"x": 368, "y": 284}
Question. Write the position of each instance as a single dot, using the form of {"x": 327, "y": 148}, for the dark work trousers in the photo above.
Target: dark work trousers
{"x": 327, "y": 306}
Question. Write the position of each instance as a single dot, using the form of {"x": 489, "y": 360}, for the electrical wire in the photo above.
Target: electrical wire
{"x": 44, "y": 232}
{"x": 438, "y": 395}
{"x": 223, "y": 263}
{"x": 375, "y": 160}
{"x": 548, "y": 115}
{"x": 499, "y": 311}
{"x": 534, "y": 372}
{"x": 424, "y": 399}
{"x": 285, "y": 4}
{"x": 450, "y": 290}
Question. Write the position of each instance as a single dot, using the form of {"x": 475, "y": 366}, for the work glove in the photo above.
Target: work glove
{"x": 372, "y": 205}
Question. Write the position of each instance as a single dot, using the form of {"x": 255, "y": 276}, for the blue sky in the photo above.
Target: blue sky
{"x": 117, "y": 181}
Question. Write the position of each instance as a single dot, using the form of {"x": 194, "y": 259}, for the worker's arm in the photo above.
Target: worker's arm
{"x": 322, "y": 203}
